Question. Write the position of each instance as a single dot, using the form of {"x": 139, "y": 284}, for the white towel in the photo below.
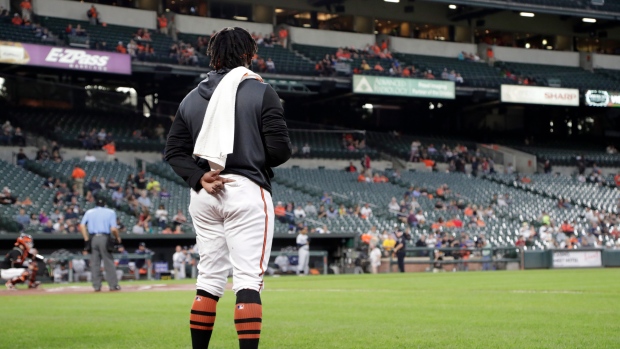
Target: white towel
{"x": 217, "y": 135}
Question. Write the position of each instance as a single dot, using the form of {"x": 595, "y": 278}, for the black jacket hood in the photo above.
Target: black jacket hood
{"x": 207, "y": 86}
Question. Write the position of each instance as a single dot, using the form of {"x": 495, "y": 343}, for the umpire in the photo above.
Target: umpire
{"x": 97, "y": 226}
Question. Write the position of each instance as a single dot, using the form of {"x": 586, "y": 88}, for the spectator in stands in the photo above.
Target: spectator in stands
{"x": 17, "y": 20}
{"x": 120, "y": 48}
{"x": 459, "y": 79}
{"x": 93, "y": 15}
{"x": 118, "y": 197}
{"x": 364, "y": 66}
{"x": 93, "y": 186}
{"x": 110, "y": 150}
{"x": 162, "y": 216}
{"x": 179, "y": 219}
{"x": 153, "y": 186}
{"x": 162, "y": 24}
{"x": 322, "y": 213}
{"x": 366, "y": 211}
{"x": 78, "y": 176}
{"x": 351, "y": 167}
{"x": 393, "y": 206}
{"x": 21, "y": 157}
{"x": 26, "y": 7}
{"x": 22, "y": 219}
{"x": 271, "y": 66}
{"x": 42, "y": 154}
{"x": 164, "y": 193}
{"x": 611, "y": 149}
{"x": 18, "y": 137}
{"x": 299, "y": 212}
{"x": 331, "y": 212}
{"x": 444, "y": 74}
{"x": 79, "y": 31}
{"x": 378, "y": 68}
{"x": 89, "y": 157}
{"x": 144, "y": 200}
{"x": 140, "y": 181}
{"x": 56, "y": 157}
{"x": 310, "y": 209}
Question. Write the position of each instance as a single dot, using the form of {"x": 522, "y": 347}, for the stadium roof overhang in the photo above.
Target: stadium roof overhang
{"x": 515, "y": 6}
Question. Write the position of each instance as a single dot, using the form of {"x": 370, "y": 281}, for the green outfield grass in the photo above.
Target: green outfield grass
{"x": 525, "y": 309}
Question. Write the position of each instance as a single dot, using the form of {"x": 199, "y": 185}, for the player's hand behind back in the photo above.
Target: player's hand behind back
{"x": 213, "y": 183}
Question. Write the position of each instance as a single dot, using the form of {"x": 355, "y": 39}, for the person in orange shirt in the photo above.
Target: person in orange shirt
{"x": 361, "y": 178}
{"x": 26, "y": 9}
{"x": 283, "y": 35}
{"x": 110, "y": 148}
{"x": 280, "y": 212}
{"x": 93, "y": 15}
{"x": 567, "y": 228}
{"x": 120, "y": 48}
{"x": 617, "y": 180}
{"x": 162, "y": 22}
{"x": 468, "y": 211}
{"x": 78, "y": 176}
{"x": 440, "y": 193}
{"x": 428, "y": 162}
{"x": 17, "y": 20}
{"x": 440, "y": 223}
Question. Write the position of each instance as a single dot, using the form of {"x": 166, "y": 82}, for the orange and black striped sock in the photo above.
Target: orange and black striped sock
{"x": 202, "y": 318}
{"x": 248, "y": 318}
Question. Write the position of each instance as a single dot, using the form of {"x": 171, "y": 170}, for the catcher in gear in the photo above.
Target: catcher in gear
{"x": 19, "y": 264}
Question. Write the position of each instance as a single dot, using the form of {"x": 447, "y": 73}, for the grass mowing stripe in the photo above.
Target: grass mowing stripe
{"x": 530, "y": 309}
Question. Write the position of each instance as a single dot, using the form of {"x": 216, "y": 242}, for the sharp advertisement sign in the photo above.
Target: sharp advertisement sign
{"x": 540, "y": 95}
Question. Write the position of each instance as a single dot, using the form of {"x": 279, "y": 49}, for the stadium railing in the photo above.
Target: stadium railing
{"x": 131, "y": 256}
{"x": 426, "y": 256}
{"x": 322, "y": 254}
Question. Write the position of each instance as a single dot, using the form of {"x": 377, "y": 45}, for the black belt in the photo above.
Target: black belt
{"x": 100, "y": 234}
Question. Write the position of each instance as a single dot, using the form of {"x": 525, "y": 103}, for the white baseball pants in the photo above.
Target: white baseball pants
{"x": 303, "y": 260}
{"x": 8, "y": 274}
{"x": 234, "y": 228}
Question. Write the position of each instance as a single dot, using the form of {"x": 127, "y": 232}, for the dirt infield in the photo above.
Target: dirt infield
{"x": 88, "y": 289}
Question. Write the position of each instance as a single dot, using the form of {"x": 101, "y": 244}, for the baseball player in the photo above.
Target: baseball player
{"x": 303, "y": 250}
{"x": 17, "y": 267}
{"x": 227, "y": 135}
{"x": 178, "y": 262}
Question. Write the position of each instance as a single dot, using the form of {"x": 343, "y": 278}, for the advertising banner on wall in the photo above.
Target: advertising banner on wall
{"x": 64, "y": 58}
{"x": 540, "y": 95}
{"x": 577, "y": 259}
{"x": 382, "y": 85}
{"x": 602, "y": 98}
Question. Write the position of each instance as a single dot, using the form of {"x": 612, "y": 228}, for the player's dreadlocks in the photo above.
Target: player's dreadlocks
{"x": 231, "y": 48}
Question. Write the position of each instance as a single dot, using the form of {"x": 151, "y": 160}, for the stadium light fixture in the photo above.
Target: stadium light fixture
{"x": 307, "y": 25}
{"x": 395, "y": 1}
{"x": 549, "y": 47}
{"x": 279, "y": 10}
{"x": 527, "y": 45}
{"x": 240, "y": 18}
{"x": 589, "y": 20}
{"x": 544, "y": 42}
{"x": 526, "y": 14}
{"x": 368, "y": 106}
{"x": 452, "y": 7}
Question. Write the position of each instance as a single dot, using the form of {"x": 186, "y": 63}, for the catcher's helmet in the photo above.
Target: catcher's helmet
{"x": 25, "y": 240}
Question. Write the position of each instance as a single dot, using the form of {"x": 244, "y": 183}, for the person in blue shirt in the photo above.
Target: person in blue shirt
{"x": 98, "y": 226}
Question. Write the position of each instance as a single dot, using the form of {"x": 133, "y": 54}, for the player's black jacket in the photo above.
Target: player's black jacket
{"x": 261, "y": 137}
{"x": 14, "y": 259}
